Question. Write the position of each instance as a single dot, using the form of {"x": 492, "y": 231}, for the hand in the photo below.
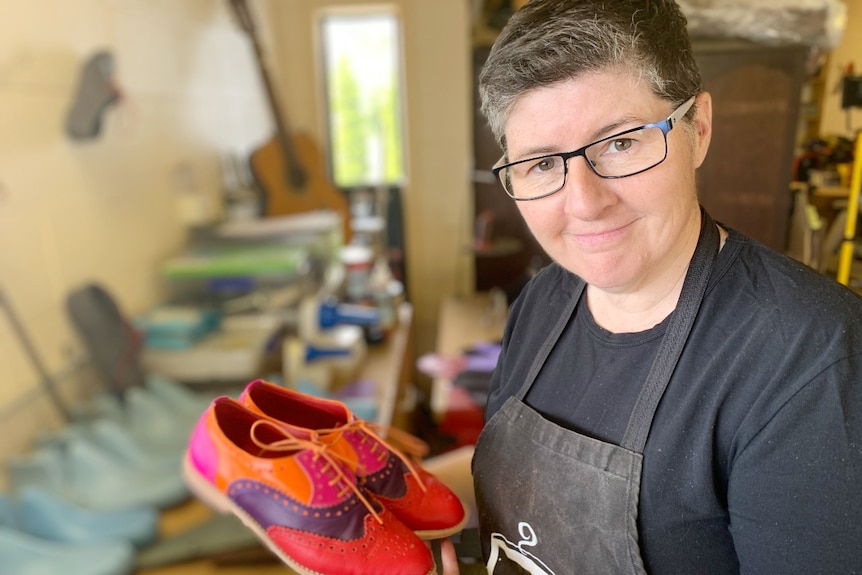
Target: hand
{"x": 448, "y": 558}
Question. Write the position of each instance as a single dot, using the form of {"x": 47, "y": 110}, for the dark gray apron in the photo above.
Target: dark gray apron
{"x": 552, "y": 501}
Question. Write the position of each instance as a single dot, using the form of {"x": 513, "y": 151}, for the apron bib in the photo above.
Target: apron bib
{"x": 555, "y": 502}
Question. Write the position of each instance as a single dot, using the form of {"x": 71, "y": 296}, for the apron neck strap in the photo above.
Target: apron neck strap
{"x": 673, "y": 342}
{"x": 551, "y": 340}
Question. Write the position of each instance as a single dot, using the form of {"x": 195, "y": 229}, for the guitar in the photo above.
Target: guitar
{"x": 289, "y": 169}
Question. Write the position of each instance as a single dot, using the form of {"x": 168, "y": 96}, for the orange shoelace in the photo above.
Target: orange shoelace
{"x": 375, "y": 433}
{"x": 334, "y": 462}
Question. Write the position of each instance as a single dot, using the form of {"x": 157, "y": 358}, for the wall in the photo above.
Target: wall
{"x": 111, "y": 208}
{"x": 108, "y": 209}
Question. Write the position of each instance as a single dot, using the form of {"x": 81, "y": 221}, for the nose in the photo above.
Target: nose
{"x": 585, "y": 194}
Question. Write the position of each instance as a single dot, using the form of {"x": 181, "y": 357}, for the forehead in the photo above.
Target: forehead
{"x": 577, "y": 111}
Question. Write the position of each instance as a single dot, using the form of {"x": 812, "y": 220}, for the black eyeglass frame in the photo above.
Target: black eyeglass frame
{"x": 665, "y": 126}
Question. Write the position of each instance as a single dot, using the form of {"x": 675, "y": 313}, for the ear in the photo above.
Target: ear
{"x": 702, "y": 127}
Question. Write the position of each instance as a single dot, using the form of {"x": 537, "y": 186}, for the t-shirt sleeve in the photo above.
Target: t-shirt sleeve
{"x": 795, "y": 488}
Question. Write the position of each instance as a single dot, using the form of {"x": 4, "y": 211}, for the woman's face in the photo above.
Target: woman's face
{"x": 618, "y": 235}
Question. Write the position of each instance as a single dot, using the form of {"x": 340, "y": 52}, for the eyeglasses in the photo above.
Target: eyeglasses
{"x": 625, "y": 154}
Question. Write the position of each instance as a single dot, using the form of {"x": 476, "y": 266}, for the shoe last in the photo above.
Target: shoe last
{"x": 117, "y": 441}
{"x": 146, "y": 413}
{"x": 296, "y": 496}
{"x": 156, "y": 425}
{"x": 42, "y": 514}
{"x": 83, "y": 473}
{"x": 24, "y": 554}
{"x": 187, "y": 404}
{"x": 415, "y": 496}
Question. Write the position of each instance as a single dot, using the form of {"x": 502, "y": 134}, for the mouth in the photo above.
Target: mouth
{"x": 603, "y": 237}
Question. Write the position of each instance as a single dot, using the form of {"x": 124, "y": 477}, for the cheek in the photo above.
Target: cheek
{"x": 543, "y": 221}
{"x": 534, "y": 215}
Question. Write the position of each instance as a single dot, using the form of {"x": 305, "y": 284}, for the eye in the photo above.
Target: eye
{"x": 620, "y": 145}
{"x": 545, "y": 164}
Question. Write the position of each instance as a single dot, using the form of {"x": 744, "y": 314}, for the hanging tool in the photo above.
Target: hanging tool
{"x": 845, "y": 256}
{"x": 46, "y": 380}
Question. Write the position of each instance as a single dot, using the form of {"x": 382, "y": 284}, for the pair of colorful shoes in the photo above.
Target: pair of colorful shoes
{"x": 318, "y": 486}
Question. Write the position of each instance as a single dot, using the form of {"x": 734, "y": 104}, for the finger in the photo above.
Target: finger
{"x": 449, "y": 558}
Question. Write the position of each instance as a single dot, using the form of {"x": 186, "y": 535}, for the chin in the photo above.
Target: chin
{"x": 604, "y": 273}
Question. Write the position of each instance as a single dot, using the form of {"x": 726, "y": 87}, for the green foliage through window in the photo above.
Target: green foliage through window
{"x": 363, "y": 93}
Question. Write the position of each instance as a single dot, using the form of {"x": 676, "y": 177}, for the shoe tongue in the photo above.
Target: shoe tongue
{"x": 332, "y": 478}
{"x": 341, "y": 447}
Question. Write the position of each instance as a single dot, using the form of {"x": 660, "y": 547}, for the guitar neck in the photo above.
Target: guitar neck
{"x": 296, "y": 173}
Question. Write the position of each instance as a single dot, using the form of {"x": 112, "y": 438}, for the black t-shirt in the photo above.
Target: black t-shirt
{"x": 753, "y": 463}
{"x": 597, "y": 397}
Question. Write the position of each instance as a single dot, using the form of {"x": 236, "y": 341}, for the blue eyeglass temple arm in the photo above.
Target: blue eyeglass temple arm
{"x": 664, "y": 125}
{"x": 677, "y": 115}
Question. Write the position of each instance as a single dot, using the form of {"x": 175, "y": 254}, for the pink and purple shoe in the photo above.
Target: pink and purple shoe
{"x": 297, "y": 495}
{"x": 412, "y": 494}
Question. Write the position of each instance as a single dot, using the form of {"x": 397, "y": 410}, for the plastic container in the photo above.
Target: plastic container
{"x": 358, "y": 261}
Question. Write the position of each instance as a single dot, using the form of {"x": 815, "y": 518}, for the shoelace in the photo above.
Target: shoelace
{"x": 334, "y": 461}
{"x": 412, "y": 444}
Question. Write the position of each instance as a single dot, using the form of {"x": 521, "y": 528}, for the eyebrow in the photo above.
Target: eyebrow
{"x": 604, "y": 132}
{"x": 616, "y": 127}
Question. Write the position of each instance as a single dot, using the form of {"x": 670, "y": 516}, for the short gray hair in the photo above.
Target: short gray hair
{"x": 550, "y": 41}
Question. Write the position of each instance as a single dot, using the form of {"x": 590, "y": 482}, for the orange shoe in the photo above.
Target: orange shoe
{"x": 297, "y": 496}
{"x": 413, "y": 495}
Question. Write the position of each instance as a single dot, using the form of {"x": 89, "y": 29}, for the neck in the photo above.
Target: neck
{"x": 647, "y": 304}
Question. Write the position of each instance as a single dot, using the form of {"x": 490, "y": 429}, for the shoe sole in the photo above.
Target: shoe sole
{"x": 217, "y": 501}
{"x": 432, "y": 534}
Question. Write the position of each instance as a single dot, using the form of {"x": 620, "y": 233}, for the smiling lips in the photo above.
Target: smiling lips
{"x": 598, "y": 237}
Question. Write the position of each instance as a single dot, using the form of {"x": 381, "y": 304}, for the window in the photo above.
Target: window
{"x": 362, "y": 70}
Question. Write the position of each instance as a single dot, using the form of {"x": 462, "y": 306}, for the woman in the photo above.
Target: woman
{"x": 672, "y": 397}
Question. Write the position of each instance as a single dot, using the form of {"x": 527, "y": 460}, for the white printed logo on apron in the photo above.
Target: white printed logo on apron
{"x": 516, "y": 552}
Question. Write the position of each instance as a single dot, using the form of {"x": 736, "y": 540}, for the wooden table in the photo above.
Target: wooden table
{"x": 465, "y": 321}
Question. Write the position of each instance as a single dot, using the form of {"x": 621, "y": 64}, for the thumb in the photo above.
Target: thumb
{"x": 444, "y": 557}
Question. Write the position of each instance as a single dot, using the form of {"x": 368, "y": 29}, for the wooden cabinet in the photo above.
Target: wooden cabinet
{"x": 745, "y": 180}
